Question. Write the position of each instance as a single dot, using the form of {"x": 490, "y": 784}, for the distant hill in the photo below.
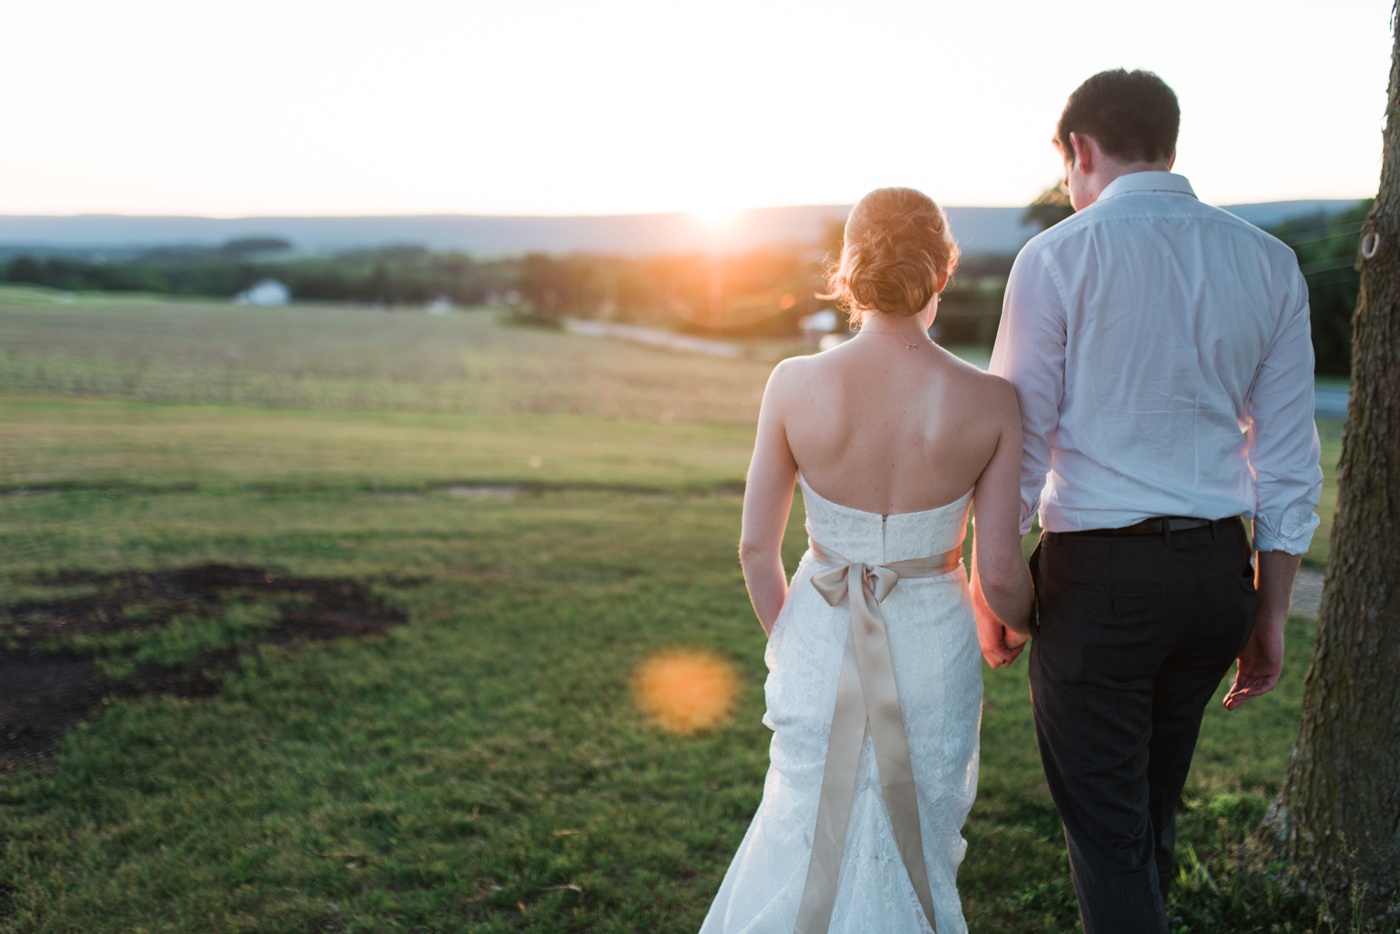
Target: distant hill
{"x": 980, "y": 230}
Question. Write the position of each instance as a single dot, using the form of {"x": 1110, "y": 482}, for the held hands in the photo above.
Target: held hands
{"x": 1000, "y": 644}
{"x": 1259, "y": 664}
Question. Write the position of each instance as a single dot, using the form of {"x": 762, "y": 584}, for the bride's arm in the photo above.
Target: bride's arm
{"x": 1001, "y": 582}
{"x": 767, "y": 503}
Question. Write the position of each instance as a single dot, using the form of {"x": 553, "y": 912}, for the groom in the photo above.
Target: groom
{"x": 1160, "y": 350}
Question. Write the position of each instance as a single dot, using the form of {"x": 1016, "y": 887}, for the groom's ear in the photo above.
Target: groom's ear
{"x": 1085, "y": 153}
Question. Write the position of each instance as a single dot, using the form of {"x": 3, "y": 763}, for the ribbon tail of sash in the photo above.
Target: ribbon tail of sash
{"x": 866, "y": 697}
{"x": 837, "y": 797}
{"x": 890, "y": 741}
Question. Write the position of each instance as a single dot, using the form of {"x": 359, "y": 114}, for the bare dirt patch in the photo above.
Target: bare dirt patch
{"x": 47, "y": 685}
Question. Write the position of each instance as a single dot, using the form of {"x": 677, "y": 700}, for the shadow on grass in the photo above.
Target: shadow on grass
{"x": 173, "y": 631}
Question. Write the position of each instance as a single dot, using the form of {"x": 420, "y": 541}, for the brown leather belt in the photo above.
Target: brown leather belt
{"x": 1157, "y": 526}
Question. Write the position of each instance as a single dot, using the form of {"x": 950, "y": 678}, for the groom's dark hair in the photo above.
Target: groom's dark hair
{"x": 1132, "y": 114}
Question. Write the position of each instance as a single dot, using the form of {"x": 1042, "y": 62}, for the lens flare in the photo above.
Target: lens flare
{"x": 685, "y": 691}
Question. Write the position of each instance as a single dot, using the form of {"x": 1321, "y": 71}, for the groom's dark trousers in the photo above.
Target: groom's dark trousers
{"x": 1135, "y": 632}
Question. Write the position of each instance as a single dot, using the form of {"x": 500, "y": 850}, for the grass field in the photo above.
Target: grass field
{"x": 193, "y": 497}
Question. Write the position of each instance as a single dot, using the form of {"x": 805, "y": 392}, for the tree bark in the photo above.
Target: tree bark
{"x": 1336, "y": 822}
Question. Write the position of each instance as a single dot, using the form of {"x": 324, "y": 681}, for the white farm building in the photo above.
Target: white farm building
{"x": 267, "y": 294}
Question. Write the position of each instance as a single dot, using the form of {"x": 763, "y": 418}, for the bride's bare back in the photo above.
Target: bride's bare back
{"x": 878, "y": 426}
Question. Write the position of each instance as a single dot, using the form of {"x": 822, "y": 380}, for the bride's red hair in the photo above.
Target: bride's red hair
{"x": 897, "y": 254}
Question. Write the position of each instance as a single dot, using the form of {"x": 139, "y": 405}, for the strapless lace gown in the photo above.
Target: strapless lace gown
{"x": 937, "y": 671}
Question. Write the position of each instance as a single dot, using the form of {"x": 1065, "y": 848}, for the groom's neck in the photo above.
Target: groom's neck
{"x": 1107, "y": 169}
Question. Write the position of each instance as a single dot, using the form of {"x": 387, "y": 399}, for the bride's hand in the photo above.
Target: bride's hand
{"x": 1003, "y": 648}
{"x": 1000, "y": 645}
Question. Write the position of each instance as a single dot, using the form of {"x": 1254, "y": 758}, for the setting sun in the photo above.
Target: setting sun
{"x": 716, "y": 218}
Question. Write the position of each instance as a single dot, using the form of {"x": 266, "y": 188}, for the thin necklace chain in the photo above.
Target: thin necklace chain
{"x": 908, "y": 345}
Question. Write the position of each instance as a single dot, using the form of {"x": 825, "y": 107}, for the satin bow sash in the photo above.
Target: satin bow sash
{"x": 866, "y": 697}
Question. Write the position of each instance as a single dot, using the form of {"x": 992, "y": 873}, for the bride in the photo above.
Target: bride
{"x": 874, "y": 691}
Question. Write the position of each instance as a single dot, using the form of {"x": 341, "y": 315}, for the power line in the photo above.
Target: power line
{"x": 1328, "y": 266}
{"x": 1331, "y": 280}
{"x": 1346, "y": 231}
{"x": 1323, "y": 238}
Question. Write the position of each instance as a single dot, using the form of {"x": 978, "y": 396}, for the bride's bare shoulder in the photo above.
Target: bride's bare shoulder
{"x": 804, "y": 368}
{"x": 990, "y": 390}
{"x": 797, "y": 383}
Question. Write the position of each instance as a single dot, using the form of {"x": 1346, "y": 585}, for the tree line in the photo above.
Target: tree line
{"x": 763, "y": 292}
{"x": 394, "y": 275}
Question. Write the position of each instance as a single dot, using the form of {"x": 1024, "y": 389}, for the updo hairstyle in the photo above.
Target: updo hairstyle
{"x": 897, "y": 254}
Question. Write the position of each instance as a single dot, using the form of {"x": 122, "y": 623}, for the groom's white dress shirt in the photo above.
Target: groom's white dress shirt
{"x": 1162, "y": 355}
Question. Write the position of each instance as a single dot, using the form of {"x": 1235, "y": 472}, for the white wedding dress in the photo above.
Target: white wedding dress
{"x": 937, "y": 671}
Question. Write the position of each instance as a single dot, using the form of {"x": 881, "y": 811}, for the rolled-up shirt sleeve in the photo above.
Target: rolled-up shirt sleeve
{"x": 1030, "y": 354}
{"x": 1283, "y": 444}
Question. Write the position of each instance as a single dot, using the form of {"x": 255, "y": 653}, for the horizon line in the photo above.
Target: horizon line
{"x": 738, "y": 213}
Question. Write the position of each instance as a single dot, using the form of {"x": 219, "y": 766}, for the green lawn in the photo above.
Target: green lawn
{"x": 483, "y": 766}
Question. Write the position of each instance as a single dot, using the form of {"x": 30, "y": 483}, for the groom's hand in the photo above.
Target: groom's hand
{"x": 1000, "y": 645}
{"x": 1260, "y": 662}
{"x": 1002, "y": 650}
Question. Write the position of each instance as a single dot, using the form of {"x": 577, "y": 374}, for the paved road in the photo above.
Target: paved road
{"x": 1332, "y": 402}
{"x": 1307, "y": 592}
{"x": 654, "y": 337}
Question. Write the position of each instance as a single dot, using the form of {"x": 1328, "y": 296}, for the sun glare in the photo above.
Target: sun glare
{"x": 716, "y": 218}
{"x": 685, "y": 691}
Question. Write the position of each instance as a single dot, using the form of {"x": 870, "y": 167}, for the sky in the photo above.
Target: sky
{"x": 564, "y": 107}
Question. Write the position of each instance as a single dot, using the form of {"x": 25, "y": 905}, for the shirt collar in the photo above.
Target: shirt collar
{"x": 1147, "y": 181}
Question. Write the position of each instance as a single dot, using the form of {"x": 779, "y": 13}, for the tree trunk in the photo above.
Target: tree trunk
{"x": 1336, "y": 822}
